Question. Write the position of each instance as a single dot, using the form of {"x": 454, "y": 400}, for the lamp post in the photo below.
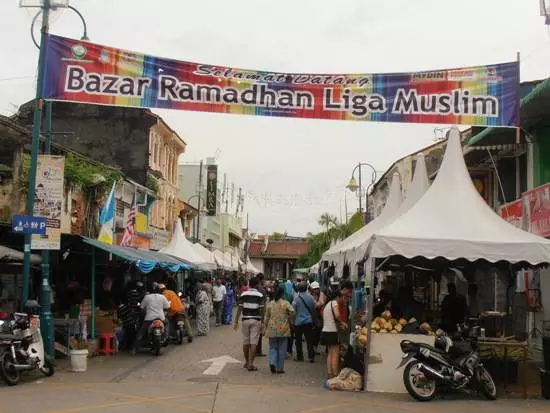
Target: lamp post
{"x": 46, "y": 320}
{"x": 354, "y": 186}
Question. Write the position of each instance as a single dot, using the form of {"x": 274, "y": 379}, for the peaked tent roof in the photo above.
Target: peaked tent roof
{"x": 180, "y": 247}
{"x": 249, "y": 267}
{"x": 337, "y": 253}
{"x": 453, "y": 221}
{"x": 206, "y": 255}
{"x": 419, "y": 185}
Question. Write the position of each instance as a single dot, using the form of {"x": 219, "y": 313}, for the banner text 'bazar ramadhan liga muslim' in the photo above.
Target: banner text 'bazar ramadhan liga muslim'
{"x": 79, "y": 71}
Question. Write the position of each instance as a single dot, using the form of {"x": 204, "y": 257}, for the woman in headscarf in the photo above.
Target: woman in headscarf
{"x": 203, "y": 311}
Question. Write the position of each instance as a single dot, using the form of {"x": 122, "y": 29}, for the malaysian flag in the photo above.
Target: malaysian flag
{"x": 130, "y": 229}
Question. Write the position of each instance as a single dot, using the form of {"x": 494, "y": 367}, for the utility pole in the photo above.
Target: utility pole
{"x": 239, "y": 199}
{"x": 225, "y": 194}
{"x": 37, "y": 126}
{"x": 46, "y": 319}
{"x": 198, "y": 239}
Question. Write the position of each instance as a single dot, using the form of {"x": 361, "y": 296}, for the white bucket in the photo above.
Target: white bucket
{"x": 79, "y": 360}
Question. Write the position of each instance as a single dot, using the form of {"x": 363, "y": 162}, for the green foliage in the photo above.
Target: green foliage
{"x": 152, "y": 184}
{"x": 320, "y": 242}
{"x": 78, "y": 171}
{"x": 278, "y": 236}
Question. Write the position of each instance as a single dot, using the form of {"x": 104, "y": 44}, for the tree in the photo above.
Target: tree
{"x": 327, "y": 221}
{"x": 319, "y": 243}
{"x": 278, "y": 236}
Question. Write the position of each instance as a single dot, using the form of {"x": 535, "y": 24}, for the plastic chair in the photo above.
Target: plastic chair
{"x": 107, "y": 344}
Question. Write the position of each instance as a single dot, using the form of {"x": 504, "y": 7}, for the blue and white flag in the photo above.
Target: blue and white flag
{"x": 107, "y": 219}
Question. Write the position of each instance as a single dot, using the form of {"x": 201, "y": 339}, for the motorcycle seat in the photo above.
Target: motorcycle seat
{"x": 431, "y": 348}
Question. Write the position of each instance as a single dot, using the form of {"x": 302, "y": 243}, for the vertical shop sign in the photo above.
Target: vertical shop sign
{"x": 48, "y": 201}
{"x": 211, "y": 189}
{"x": 537, "y": 209}
{"x": 513, "y": 213}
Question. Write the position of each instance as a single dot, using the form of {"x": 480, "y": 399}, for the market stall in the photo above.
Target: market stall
{"x": 451, "y": 226}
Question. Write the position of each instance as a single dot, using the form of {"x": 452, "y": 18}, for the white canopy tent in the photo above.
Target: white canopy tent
{"x": 338, "y": 253}
{"x": 453, "y": 221}
{"x": 250, "y": 268}
{"x": 206, "y": 255}
{"x": 224, "y": 261}
{"x": 180, "y": 247}
{"x": 419, "y": 185}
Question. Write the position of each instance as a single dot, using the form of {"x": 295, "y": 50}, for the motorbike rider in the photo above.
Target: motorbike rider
{"x": 176, "y": 309}
{"x": 154, "y": 305}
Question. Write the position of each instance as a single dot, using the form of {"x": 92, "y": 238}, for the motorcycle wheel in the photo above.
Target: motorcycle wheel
{"x": 9, "y": 374}
{"x": 157, "y": 344}
{"x": 48, "y": 370}
{"x": 411, "y": 378}
{"x": 485, "y": 383}
{"x": 179, "y": 335}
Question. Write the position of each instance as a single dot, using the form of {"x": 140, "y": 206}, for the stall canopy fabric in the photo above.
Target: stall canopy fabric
{"x": 337, "y": 254}
{"x": 250, "y": 268}
{"x": 419, "y": 185}
{"x": 145, "y": 260}
{"x": 181, "y": 248}
{"x": 453, "y": 221}
{"x": 209, "y": 261}
{"x": 223, "y": 261}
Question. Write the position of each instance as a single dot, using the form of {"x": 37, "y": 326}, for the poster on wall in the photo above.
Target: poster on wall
{"x": 211, "y": 189}
{"x": 536, "y": 204}
{"x": 48, "y": 200}
{"x": 80, "y": 71}
{"x": 481, "y": 181}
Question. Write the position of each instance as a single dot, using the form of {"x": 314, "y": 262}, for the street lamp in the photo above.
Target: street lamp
{"x": 355, "y": 186}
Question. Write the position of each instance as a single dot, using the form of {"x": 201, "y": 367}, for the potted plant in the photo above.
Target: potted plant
{"x": 79, "y": 356}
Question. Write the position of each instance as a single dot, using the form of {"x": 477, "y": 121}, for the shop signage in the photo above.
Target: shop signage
{"x": 80, "y": 71}
{"x": 25, "y": 224}
{"x": 513, "y": 213}
{"x": 48, "y": 200}
{"x": 211, "y": 189}
{"x": 537, "y": 210}
{"x": 159, "y": 238}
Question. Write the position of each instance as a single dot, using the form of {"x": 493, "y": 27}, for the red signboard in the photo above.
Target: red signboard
{"x": 513, "y": 213}
{"x": 537, "y": 209}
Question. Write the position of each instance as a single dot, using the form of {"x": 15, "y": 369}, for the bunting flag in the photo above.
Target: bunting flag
{"x": 107, "y": 219}
{"x": 130, "y": 229}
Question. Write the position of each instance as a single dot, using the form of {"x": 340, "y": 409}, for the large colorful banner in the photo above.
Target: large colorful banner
{"x": 79, "y": 71}
{"x": 48, "y": 200}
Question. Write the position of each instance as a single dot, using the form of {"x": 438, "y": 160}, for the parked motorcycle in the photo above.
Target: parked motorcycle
{"x": 22, "y": 348}
{"x": 449, "y": 365}
{"x": 177, "y": 328}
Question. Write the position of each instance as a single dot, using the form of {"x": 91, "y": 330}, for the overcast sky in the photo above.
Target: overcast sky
{"x": 292, "y": 170}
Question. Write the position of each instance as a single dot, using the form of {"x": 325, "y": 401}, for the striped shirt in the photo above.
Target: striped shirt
{"x": 251, "y": 303}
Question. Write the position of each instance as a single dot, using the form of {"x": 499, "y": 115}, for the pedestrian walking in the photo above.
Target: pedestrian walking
{"x": 332, "y": 325}
{"x": 252, "y": 309}
{"x": 202, "y": 303}
{"x": 218, "y": 296}
{"x": 304, "y": 305}
{"x": 263, "y": 290}
{"x": 228, "y": 304}
{"x": 289, "y": 296}
{"x": 278, "y": 319}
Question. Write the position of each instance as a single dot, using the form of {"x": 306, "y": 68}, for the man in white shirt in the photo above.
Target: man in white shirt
{"x": 218, "y": 297}
{"x": 154, "y": 305}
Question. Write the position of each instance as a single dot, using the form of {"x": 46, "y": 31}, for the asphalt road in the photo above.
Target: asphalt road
{"x": 175, "y": 382}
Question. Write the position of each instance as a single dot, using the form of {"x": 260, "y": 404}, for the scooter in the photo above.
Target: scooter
{"x": 22, "y": 347}
{"x": 156, "y": 336}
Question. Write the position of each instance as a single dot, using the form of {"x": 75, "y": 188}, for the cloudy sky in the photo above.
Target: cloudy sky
{"x": 292, "y": 170}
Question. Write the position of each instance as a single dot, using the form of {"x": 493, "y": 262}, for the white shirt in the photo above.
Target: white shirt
{"x": 154, "y": 306}
{"x": 329, "y": 323}
{"x": 218, "y": 292}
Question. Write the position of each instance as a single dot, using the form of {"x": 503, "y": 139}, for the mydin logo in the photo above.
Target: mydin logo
{"x": 79, "y": 51}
